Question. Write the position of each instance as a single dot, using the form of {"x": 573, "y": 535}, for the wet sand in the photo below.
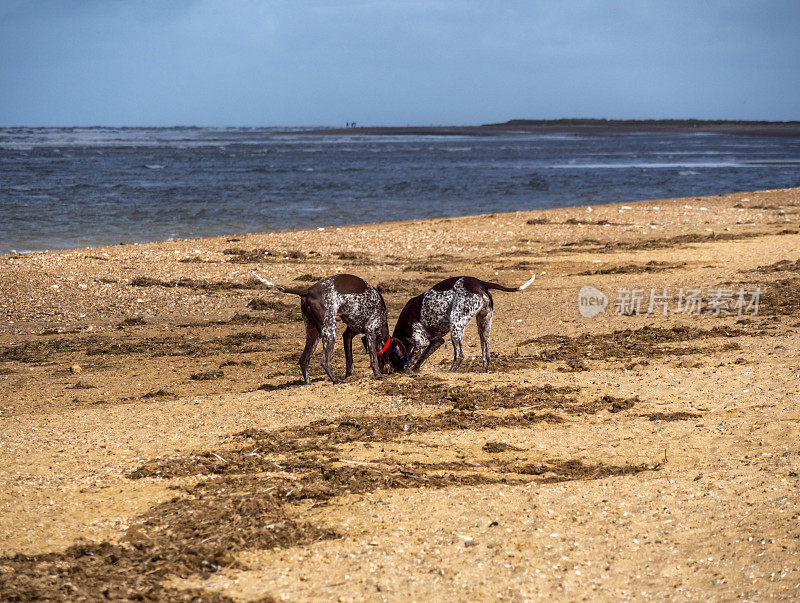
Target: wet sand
{"x": 155, "y": 441}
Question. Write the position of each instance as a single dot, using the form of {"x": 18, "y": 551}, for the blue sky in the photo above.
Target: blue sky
{"x": 293, "y": 63}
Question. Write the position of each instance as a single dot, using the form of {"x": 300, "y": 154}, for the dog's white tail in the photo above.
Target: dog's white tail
{"x": 508, "y": 289}
{"x": 528, "y": 284}
{"x": 269, "y": 284}
{"x": 279, "y": 288}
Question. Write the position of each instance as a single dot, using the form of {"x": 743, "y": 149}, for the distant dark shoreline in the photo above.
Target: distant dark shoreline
{"x": 578, "y": 126}
{"x": 594, "y": 127}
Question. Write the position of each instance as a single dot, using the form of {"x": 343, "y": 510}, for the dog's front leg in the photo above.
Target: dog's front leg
{"x": 415, "y": 358}
{"x": 434, "y": 345}
{"x": 369, "y": 343}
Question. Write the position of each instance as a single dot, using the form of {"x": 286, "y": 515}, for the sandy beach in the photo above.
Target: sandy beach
{"x": 155, "y": 441}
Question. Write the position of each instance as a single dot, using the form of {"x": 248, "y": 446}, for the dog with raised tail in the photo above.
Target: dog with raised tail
{"x": 445, "y": 308}
{"x": 358, "y": 304}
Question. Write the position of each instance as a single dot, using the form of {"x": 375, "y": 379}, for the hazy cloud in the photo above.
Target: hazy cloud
{"x": 214, "y": 62}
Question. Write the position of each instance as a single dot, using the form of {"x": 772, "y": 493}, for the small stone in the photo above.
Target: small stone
{"x": 75, "y": 369}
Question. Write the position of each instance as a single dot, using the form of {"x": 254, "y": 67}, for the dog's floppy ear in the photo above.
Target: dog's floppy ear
{"x": 398, "y": 348}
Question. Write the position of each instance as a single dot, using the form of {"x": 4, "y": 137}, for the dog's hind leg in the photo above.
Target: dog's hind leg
{"x": 484, "y": 321}
{"x": 327, "y": 356}
{"x": 328, "y": 335}
{"x": 463, "y": 309}
{"x": 456, "y": 337}
{"x": 312, "y": 338}
{"x": 347, "y": 341}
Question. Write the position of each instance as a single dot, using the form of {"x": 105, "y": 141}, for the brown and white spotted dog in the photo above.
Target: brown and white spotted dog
{"x": 358, "y": 304}
{"x": 444, "y": 308}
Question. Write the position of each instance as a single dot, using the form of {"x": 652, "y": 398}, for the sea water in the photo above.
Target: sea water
{"x": 74, "y": 187}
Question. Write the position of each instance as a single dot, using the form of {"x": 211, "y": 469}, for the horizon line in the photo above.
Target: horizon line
{"x": 567, "y": 121}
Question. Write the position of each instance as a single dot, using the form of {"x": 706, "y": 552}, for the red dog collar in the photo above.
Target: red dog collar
{"x": 385, "y": 346}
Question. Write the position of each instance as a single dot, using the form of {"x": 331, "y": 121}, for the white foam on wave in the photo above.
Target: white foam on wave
{"x": 640, "y": 165}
